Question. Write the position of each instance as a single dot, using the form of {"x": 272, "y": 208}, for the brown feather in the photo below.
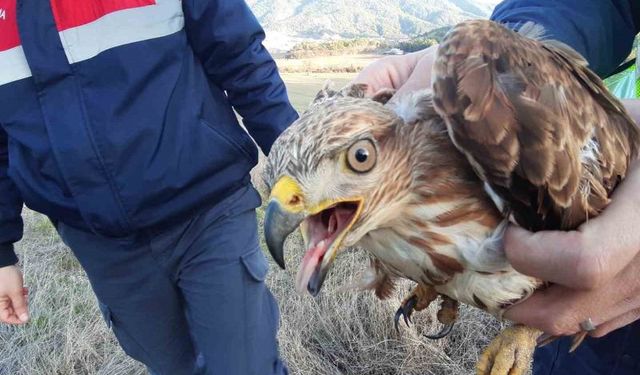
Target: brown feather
{"x": 534, "y": 121}
{"x": 384, "y": 284}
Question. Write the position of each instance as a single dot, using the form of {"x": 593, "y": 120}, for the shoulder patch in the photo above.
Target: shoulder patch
{"x": 90, "y": 27}
{"x": 9, "y": 37}
{"x": 74, "y": 13}
{"x": 13, "y": 64}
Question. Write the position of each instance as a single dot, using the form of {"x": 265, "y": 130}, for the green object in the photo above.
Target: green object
{"x": 625, "y": 84}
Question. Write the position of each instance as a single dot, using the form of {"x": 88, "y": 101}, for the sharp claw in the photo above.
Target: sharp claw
{"x": 577, "y": 340}
{"x": 405, "y": 311}
{"x": 399, "y": 312}
{"x": 411, "y": 303}
{"x": 444, "y": 332}
{"x": 408, "y": 308}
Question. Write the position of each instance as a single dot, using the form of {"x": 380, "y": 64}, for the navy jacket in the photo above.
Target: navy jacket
{"x": 118, "y": 115}
{"x": 601, "y": 30}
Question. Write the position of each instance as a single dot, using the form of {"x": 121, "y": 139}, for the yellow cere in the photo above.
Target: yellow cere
{"x": 288, "y": 193}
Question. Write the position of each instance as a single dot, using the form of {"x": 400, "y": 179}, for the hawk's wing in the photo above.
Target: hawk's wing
{"x": 536, "y": 124}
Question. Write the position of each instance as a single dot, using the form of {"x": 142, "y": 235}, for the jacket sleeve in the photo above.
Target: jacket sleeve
{"x": 227, "y": 39}
{"x": 601, "y": 30}
{"x": 10, "y": 208}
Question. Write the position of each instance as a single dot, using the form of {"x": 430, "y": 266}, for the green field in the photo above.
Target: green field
{"x": 303, "y": 87}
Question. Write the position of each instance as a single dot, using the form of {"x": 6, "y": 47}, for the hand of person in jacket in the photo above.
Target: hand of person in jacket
{"x": 397, "y": 72}
{"x": 595, "y": 270}
{"x": 13, "y": 296}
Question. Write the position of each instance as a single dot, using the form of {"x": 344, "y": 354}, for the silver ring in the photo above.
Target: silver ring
{"x": 588, "y": 325}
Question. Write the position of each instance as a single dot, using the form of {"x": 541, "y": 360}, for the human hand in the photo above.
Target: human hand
{"x": 595, "y": 269}
{"x": 13, "y": 296}
{"x": 402, "y": 73}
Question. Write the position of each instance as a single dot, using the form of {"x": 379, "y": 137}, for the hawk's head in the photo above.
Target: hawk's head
{"x": 347, "y": 167}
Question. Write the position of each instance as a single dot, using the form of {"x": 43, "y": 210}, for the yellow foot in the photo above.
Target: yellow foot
{"x": 510, "y": 352}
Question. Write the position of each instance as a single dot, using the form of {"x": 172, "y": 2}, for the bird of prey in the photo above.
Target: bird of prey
{"x": 514, "y": 130}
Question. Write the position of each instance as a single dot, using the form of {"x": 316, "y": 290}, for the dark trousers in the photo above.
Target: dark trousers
{"x": 190, "y": 299}
{"x": 618, "y": 353}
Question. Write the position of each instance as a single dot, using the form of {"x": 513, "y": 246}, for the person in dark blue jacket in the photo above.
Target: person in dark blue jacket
{"x": 596, "y": 277}
{"x": 117, "y": 122}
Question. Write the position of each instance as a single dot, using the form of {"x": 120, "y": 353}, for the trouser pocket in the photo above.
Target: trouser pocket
{"x": 256, "y": 265}
{"x": 258, "y": 301}
{"x": 261, "y": 311}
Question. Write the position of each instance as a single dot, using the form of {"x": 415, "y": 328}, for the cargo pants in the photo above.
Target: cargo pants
{"x": 190, "y": 299}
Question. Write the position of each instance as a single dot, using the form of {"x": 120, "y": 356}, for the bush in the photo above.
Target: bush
{"x": 356, "y": 46}
{"x": 336, "y": 47}
{"x": 416, "y": 44}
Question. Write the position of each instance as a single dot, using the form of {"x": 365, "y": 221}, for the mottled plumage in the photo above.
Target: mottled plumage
{"x": 425, "y": 214}
{"x": 535, "y": 122}
{"x": 515, "y": 129}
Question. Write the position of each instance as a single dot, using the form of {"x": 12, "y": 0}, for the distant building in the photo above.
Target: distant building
{"x": 393, "y": 51}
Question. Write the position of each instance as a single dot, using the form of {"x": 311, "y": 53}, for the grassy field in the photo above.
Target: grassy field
{"x": 342, "y": 63}
{"x": 303, "y": 87}
{"x": 340, "y": 332}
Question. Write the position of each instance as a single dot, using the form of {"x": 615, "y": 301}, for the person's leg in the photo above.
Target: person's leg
{"x": 232, "y": 314}
{"x": 615, "y": 354}
{"x": 138, "y": 299}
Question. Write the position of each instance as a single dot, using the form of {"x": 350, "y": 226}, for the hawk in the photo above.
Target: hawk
{"x": 515, "y": 129}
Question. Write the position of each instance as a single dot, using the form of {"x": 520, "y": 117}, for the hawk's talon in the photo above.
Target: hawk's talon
{"x": 444, "y": 332}
{"x": 405, "y": 310}
{"x": 447, "y": 315}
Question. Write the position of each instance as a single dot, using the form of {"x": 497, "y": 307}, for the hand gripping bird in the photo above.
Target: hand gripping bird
{"x": 516, "y": 129}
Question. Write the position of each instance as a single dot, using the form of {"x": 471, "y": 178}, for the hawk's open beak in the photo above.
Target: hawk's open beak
{"x": 279, "y": 223}
{"x": 324, "y": 227}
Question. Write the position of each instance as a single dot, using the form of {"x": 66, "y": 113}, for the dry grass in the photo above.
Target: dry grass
{"x": 66, "y": 334}
{"x": 326, "y": 64}
{"x": 340, "y": 332}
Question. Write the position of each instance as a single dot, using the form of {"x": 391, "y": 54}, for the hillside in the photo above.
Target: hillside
{"x": 289, "y": 21}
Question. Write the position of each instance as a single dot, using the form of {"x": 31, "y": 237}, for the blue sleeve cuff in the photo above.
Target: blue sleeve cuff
{"x": 7, "y": 255}
{"x": 601, "y": 31}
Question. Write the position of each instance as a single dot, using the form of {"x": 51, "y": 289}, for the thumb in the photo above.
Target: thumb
{"x": 19, "y": 302}
{"x": 420, "y": 78}
{"x": 548, "y": 255}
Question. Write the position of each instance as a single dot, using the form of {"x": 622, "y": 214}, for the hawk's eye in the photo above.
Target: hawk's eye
{"x": 361, "y": 156}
